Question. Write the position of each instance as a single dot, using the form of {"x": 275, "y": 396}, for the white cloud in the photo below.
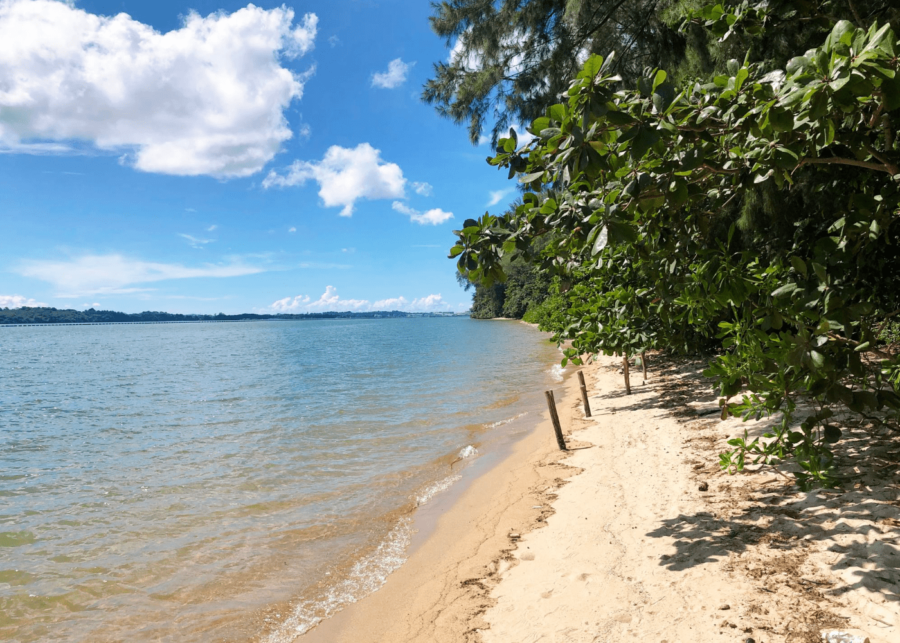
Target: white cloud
{"x": 107, "y": 274}
{"x": 434, "y": 216}
{"x": 205, "y": 99}
{"x": 305, "y": 130}
{"x": 429, "y": 303}
{"x": 425, "y": 189}
{"x": 195, "y": 242}
{"x": 292, "y": 229}
{"x": 17, "y": 301}
{"x": 395, "y": 303}
{"x": 289, "y": 305}
{"x": 212, "y": 228}
{"x": 94, "y": 305}
{"x": 334, "y": 41}
{"x": 483, "y": 139}
{"x": 330, "y": 301}
{"x": 344, "y": 176}
{"x": 348, "y": 250}
{"x": 395, "y": 75}
{"x": 497, "y": 196}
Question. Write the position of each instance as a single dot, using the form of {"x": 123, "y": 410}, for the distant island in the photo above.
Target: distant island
{"x": 26, "y": 315}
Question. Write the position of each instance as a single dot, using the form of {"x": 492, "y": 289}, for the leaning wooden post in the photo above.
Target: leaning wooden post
{"x": 557, "y": 428}
{"x": 627, "y": 376}
{"x": 584, "y": 395}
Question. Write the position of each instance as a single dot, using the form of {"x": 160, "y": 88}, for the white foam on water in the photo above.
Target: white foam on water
{"x": 494, "y": 425}
{"x": 366, "y": 576}
{"x": 432, "y": 490}
{"x": 467, "y": 452}
{"x": 556, "y": 372}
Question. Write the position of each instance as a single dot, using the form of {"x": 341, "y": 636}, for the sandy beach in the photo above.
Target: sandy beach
{"x": 635, "y": 534}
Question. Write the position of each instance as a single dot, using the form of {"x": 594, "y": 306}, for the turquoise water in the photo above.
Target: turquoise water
{"x": 169, "y": 482}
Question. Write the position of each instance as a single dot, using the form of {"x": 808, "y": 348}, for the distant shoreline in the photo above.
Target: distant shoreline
{"x": 25, "y": 316}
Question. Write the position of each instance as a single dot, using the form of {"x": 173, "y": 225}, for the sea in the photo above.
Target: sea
{"x": 237, "y": 481}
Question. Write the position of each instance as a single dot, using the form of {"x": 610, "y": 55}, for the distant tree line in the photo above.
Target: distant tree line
{"x": 26, "y": 315}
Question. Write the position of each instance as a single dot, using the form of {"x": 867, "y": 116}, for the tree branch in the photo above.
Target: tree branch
{"x": 833, "y": 160}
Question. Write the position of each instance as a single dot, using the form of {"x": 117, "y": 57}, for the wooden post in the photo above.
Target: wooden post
{"x": 627, "y": 376}
{"x": 644, "y": 363}
{"x": 557, "y": 428}
{"x": 584, "y": 395}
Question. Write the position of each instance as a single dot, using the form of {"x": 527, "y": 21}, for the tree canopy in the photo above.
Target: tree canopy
{"x": 753, "y": 213}
{"x": 512, "y": 58}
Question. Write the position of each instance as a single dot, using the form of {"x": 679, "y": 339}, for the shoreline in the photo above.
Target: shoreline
{"x": 635, "y": 534}
{"x": 436, "y": 594}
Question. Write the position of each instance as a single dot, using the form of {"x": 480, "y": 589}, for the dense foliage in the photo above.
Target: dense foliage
{"x": 524, "y": 288}
{"x": 512, "y": 58}
{"x": 754, "y": 213}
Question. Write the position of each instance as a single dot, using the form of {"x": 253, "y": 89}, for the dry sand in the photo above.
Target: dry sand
{"x": 614, "y": 541}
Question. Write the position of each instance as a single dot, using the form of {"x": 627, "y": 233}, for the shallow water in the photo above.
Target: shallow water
{"x": 166, "y": 482}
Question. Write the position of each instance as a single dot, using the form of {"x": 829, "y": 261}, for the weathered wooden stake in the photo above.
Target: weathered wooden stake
{"x": 627, "y": 376}
{"x": 584, "y": 395}
{"x": 557, "y": 428}
{"x": 644, "y": 363}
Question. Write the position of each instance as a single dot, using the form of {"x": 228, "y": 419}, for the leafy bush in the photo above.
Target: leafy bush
{"x": 655, "y": 201}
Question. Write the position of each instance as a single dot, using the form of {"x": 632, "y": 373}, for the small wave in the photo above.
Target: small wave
{"x": 467, "y": 452}
{"x": 432, "y": 490}
{"x": 494, "y": 425}
{"x": 365, "y": 577}
{"x": 556, "y": 372}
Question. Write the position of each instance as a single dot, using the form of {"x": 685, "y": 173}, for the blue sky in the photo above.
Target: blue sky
{"x": 224, "y": 157}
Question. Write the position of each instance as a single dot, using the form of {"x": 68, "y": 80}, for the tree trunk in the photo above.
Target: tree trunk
{"x": 627, "y": 377}
{"x": 644, "y": 363}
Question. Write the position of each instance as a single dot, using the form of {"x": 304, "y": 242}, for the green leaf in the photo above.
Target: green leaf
{"x": 785, "y": 290}
{"x": 601, "y": 241}
{"x": 557, "y": 113}
{"x": 538, "y": 125}
{"x": 843, "y": 32}
{"x": 659, "y": 79}
{"x": 799, "y": 265}
{"x": 831, "y": 433}
{"x": 621, "y": 233}
{"x": 592, "y": 66}
{"x": 817, "y": 358}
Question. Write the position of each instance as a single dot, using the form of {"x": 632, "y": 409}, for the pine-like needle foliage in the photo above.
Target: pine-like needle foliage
{"x": 511, "y": 58}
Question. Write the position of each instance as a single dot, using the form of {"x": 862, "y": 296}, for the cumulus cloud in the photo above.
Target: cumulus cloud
{"x": 205, "y": 99}
{"x": 434, "y": 216}
{"x": 395, "y": 75}
{"x": 116, "y": 274}
{"x": 290, "y": 305}
{"x": 394, "y": 303}
{"x": 94, "y": 305}
{"x": 330, "y": 301}
{"x": 425, "y": 189}
{"x": 429, "y": 303}
{"x": 344, "y": 176}
{"x": 17, "y": 301}
{"x": 292, "y": 229}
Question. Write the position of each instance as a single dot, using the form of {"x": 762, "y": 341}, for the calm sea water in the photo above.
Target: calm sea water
{"x": 169, "y": 482}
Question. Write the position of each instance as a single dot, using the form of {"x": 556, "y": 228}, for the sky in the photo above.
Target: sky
{"x": 215, "y": 156}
